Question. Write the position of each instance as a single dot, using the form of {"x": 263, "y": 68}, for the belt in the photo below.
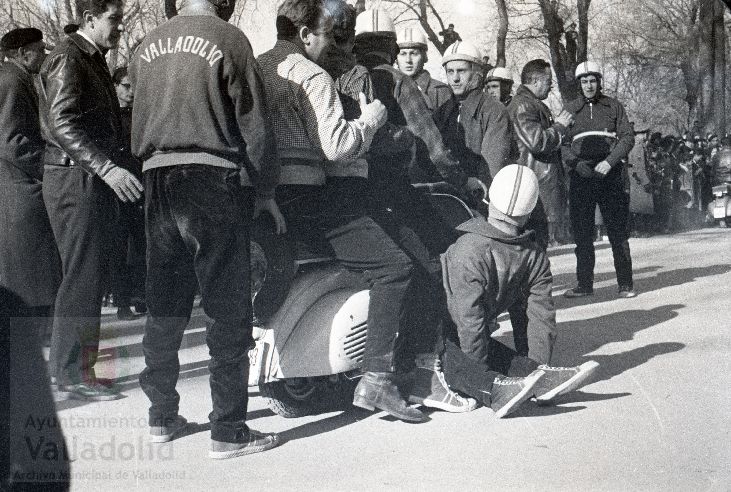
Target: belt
{"x": 57, "y": 157}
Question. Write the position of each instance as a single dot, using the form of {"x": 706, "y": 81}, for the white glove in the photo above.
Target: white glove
{"x": 372, "y": 113}
{"x": 127, "y": 187}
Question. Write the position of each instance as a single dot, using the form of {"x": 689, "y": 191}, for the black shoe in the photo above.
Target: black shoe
{"x": 378, "y": 390}
{"x": 177, "y": 427}
{"x": 250, "y": 442}
{"x": 561, "y": 380}
{"x": 125, "y": 313}
{"x": 627, "y": 293}
{"x": 88, "y": 392}
{"x": 578, "y": 292}
{"x": 508, "y": 392}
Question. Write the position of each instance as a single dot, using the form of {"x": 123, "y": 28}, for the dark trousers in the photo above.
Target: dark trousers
{"x": 609, "y": 193}
{"x": 79, "y": 208}
{"x": 373, "y": 241}
{"x": 127, "y": 262}
{"x": 474, "y": 378}
{"x": 197, "y": 220}
{"x": 25, "y": 394}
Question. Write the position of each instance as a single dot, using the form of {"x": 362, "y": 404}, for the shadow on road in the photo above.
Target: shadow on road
{"x": 667, "y": 278}
{"x": 325, "y": 425}
{"x": 587, "y": 335}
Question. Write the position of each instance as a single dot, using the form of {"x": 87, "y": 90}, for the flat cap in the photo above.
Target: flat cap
{"x": 20, "y": 37}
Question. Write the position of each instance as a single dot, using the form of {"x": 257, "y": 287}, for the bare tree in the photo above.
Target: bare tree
{"x": 502, "y": 32}
{"x": 421, "y": 11}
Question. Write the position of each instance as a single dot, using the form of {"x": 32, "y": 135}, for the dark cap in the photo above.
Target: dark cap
{"x": 20, "y": 37}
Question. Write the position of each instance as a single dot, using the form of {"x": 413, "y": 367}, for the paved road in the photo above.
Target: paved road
{"x": 656, "y": 418}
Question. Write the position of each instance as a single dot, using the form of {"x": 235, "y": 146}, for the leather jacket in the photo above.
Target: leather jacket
{"x": 80, "y": 115}
{"x": 538, "y": 137}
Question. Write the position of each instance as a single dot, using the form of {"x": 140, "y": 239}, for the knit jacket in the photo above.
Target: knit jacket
{"x": 199, "y": 99}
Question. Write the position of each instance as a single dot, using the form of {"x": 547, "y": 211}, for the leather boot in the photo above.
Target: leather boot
{"x": 378, "y": 390}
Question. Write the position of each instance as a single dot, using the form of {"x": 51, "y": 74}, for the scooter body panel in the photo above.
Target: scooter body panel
{"x": 320, "y": 329}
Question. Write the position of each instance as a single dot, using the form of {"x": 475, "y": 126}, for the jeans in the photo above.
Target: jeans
{"x": 609, "y": 193}
{"x": 80, "y": 210}
{"x": 197, "y": 221}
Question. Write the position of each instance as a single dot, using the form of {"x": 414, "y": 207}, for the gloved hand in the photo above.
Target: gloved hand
{"x": 583, "y": 170}
{"x": 602, "y": 168}
{"x": 126, "y": 186}
{"x": 374, "y": 113}
{"x": 565, "y": 118}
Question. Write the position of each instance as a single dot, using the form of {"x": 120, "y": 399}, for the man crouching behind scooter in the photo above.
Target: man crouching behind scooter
{"x": 484, "y": 272}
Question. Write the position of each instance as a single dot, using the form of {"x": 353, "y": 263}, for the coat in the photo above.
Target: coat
{"x": 29, "y": 262}
{"x": 538, "y": 143}
{"x": 488, "y": 271}
{"x": 485, "y": 126}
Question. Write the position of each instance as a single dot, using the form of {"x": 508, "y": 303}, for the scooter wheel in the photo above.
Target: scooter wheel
{"x": 298, "y": 397}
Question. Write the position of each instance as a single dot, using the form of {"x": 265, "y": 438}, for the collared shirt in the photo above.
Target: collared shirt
{"x": 308, "y": 117}
{"x": 86, "y": 36}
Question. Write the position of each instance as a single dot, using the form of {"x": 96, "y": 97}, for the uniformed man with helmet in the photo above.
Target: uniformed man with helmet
{"x": 412, "y": 55}
{"x": 499, "y": 84}
{"x": 483, "y": 121}
{"x": 598, "y": 175}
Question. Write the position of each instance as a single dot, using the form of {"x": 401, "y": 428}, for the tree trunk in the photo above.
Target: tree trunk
{"x": 171, "y": 10}
{"x": 553, "y": 24}
{"x": 709, "y": 61}
{"x": 582, "y": 7}
{"x": 502, "y": 32}
{"x": 720, "y": 54}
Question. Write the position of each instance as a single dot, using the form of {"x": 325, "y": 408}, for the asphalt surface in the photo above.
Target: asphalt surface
{"x": 655, "y": 418}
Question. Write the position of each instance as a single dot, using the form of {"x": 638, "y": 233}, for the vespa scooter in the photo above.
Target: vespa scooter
{"x": 311, "y": 319}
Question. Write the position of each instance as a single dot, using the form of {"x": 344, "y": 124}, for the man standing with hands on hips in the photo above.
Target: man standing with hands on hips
{"x": 598, "y": 173}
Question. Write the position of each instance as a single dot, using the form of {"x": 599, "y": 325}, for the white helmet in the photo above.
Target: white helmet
{"x": 513, "y": 192}
{"x": 411, "y": 37}
{"x": 586, "y": 68}
{"x": 374, "y": 21}
{"x": 499, "y": 73}
{"x": 463, "y": 51}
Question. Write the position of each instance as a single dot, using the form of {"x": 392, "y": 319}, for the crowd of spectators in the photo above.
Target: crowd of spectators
{"x": 681, "y": 171}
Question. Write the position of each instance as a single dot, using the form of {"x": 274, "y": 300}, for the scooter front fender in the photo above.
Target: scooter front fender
{"x": 320, "y": 329}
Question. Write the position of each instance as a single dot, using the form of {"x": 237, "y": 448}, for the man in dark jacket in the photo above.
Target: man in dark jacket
{"x": 484, "y": 123}
{"x": 440, "y": 100}
{"x": 200, "y": 125}
{"x": 539, "y": 139}
{"x": 357, "y": 212}
{"x": 488, "y": 270}
{"x": 29, "y": 275}
{"x": 598, "y": 174}
{"x": 81, "y": 126}
{"x": 29, "y": 265}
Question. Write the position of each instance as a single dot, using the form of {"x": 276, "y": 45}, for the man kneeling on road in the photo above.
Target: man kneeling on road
{"x": 485, "y": 272}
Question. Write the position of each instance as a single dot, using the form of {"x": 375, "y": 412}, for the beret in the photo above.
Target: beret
{"x": 20, "y": 37}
